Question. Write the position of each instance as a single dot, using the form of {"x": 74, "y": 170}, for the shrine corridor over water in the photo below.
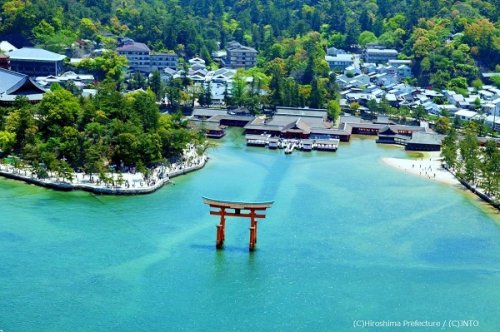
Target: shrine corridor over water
{"x": 348, "y": 238}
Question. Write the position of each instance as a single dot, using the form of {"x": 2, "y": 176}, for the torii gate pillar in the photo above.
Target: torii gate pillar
{"x": 250, "y": 210}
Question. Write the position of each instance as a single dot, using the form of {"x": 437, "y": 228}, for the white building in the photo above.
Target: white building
{"x": 492, "y": 108}
{"x": 141, "y": 59}
{"x": 466, "y": 115}
{"x": 239, "y": 56}
{"x": 340, "y": 61}
{"x": 490, "y": 120}
{"x": 380, "y": 55}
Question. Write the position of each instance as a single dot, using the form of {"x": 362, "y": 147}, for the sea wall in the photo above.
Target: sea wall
{"x": 25, "y": 176}
{"x": 475, "y": 190}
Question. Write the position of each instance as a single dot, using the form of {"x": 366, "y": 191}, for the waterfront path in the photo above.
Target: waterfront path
{"x": 118, "y": 183}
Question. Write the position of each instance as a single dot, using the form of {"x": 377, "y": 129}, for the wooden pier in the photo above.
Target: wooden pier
{"x": 289, "y": 145}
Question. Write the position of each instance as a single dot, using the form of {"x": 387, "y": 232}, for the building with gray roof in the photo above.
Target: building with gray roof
{"x": 422, "y": 141}
{"x": 14, "y": 84}
{"x": 239, "y": 56}
{"x": 340, "y": 61}
{"x": 380, "y": 55}
{"x": 36, "y": 62}
{"x": 140, "y": 58}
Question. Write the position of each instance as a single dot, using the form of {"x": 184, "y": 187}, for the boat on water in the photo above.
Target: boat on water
{"x": 290, "y": 147}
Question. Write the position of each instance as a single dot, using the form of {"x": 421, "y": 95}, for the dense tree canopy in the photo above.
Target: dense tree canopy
{"x": 92, "y": 133}
{"x": 190, "y": 27}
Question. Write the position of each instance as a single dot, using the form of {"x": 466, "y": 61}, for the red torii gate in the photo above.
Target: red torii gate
{"x": 252, "y": 210}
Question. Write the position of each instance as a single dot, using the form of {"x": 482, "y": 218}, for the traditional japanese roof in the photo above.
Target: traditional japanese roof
{"x": 302, "y": 112}
{"x": 425, "y": 139}
{"x": 35, "y": 54}
{"x": 236, "y": 204}
{"x": 208, "y": 112}
{"x": 196, "y": 60}
{"x": 387, "y": 131}
{"x": 298, "y": 126}
{"x": 5, "y": 46}
{"x": 13, "y": 84}
{"x": 206, "y": 125}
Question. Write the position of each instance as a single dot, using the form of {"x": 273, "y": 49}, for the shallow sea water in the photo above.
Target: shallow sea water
{"x": 348, "y": 238}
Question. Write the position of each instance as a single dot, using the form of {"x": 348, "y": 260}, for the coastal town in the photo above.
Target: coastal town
{"x": 375, "y": 97}
{"x": 206, "y": 165}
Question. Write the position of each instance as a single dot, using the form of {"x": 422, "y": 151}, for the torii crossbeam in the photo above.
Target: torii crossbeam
{"x": 252, "y": 210}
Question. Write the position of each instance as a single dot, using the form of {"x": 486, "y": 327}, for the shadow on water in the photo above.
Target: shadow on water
{"x": 207, "y": 247}
{"x": 276, "y": 178}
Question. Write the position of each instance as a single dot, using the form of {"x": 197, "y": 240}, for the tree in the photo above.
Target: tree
{"x": 469, "y": 153}
{"x": 145, "y": 106}
{"x": 109, "y": 65}
{"x": 419, "y": 113}
{"x": 173, "y": 92}
{"x": 367, "y": 37}
{"x": 316, "y": 100}
{"x": 354, "y": 106}
{"x": 238, "y": 89}
{"x": 477, "y": 84}
{"x": 459, "y": 85}
{"x": 449, "y": 149}
{"x": 309, "y": 72}
{"x": 208, "y": 95}
{"x": 495, "y": 80}
{"x": 87, "y": 28}
{"x": 155, "y": 84}
{"x": 276, "y": 85}
{"x": 22, "y": 123}
{"x": 58, "y": 109}
{"x": 483, "y": 34}
{"x": 7, "y": 141}
{"x": 138, "y": 81}
{"x": 333, "y": 109}
{"x": 126, "y": 149}
{"x": 442, "y": 125}
{"x": 490, "y": 169}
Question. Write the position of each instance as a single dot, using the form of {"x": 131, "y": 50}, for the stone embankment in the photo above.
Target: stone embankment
{"x": 118, "y": 184}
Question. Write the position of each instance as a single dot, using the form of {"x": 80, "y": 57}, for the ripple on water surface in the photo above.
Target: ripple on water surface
{"x": 347, "y": 238}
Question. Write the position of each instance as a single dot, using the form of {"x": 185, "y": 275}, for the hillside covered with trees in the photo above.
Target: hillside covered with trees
{"x": 445, "y": 38}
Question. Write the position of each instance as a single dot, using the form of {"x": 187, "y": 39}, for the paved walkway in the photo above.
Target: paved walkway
{"x": 118, "y": 183}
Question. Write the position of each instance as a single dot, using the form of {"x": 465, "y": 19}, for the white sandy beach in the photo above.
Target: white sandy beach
{"x": 428, "y": 167}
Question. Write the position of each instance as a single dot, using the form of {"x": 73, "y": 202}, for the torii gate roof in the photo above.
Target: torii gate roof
{"x": 237, "y": 204}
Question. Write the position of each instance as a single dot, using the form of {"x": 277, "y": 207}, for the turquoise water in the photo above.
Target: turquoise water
{"x": 347, "y": 238}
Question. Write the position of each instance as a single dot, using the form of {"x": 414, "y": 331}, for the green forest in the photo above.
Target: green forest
{"x": 445, "y": 38}
{"x": 65, "y": 133}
